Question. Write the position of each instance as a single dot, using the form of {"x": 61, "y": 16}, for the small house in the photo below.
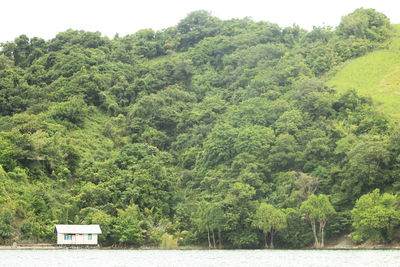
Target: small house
{"x": 70, "y": 234}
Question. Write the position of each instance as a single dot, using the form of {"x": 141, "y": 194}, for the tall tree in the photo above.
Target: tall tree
{"x": 270, "y": 220}
{"x": 317, "y": 209}
{"x": 210, "y": 217}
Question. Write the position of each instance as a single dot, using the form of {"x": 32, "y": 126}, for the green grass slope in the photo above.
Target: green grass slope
{"x": 377, "y": 75}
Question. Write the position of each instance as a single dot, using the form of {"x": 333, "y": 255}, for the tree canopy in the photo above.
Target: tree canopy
{"x": 180, "y": 134}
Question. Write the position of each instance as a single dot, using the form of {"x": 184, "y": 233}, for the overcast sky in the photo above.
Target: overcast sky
{"x": 45, "y": 18}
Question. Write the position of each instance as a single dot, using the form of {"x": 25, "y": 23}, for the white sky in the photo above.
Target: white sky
{"x": 45, "y": 18}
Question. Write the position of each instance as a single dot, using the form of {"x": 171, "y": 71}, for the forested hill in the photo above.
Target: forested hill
{"x": 211, "y": 132}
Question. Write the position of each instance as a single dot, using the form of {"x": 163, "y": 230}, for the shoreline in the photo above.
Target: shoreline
{"x": 341, "y": 243}
{"x": 55, "y": 247}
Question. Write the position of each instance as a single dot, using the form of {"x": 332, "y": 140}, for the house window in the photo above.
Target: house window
{"x": 89, "y": 237}
{"x": 67, "y": 237}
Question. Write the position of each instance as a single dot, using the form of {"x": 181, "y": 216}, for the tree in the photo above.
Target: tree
{"x": 72, "y": 111}
{"x": 6, "y": 224}
{"x": 210, "y": 217}
{"x": 196, "y": 26}
{"x": 24, "y": 50}
{"x": 367, "y": 162}
{"x": 128, "y": 227}
{"x": 217, "y": 221}
{"x": 239, "y": 208}
{"x": 6, "y": 152}
{"x": 317, "y": 209}
{"x": 365, "y": 23}
{"x": 269, "y": 219}
{"x": 375, "y": 216}
{"x": 95, "y": 216}
{"x": 284, "y": 153}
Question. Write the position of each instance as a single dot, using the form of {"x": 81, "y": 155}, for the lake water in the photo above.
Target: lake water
{"x": 100, "y": 257}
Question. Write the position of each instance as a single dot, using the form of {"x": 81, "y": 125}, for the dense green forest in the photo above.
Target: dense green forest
{"x": 219, "y": 133}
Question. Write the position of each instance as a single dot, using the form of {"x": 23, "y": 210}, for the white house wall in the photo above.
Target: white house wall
{"x": 77, "y": 239}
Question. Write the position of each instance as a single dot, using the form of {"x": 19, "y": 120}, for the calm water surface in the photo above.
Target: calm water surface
{"x": 82, "y": 257}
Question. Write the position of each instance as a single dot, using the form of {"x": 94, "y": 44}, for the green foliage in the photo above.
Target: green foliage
{"x": 297, "y": 233}
{"x": 14, "y": 91}
{"x": 127, "y": 228}
{"x": 365, "y": 167}
{"x": 95, "y": 216}
{"x": 269, "y": 219}
{"x": 6, "y": 222}
{"x": 24, "y": 50}
{"x": 72, "y": 111}
{"x": 6, "y": 152}
{"x": 210, "y": 217}
{"x": 375, "y": 216}
{"x": 317, "y": 209}
{"x": 196, "y": 26}
{"x": 365, "y": 23}
{"x": 176, "y": 136}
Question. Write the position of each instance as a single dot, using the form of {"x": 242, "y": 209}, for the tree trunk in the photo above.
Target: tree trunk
{"x": 66, "y": 217}
{"x": 219, "y": 238}
{"x": 316, "y": 243}
{"x": 322, "y": 234}
{"x": 322, "y": 238}
{"x": 272, "y": 239}
{"x": 213, "y": 237}
{"x": 266, "y": 242}
{"x": 208, "y": 236}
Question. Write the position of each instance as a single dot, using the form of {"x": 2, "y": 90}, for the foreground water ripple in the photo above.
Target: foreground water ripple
{"x": 177, "y": 258}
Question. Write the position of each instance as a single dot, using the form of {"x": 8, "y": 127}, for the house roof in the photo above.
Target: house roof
{"x": 77, "y": 229}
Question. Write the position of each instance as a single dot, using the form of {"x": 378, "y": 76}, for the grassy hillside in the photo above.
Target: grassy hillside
{"x": 376, "y": 75}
